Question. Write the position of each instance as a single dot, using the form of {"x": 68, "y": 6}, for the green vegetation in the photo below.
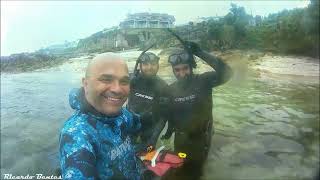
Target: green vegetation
{"x": 100, "y": 42}
{"x": 289, "y": 32}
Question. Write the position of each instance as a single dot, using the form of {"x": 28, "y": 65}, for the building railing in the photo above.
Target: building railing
{"x": 148, "y": 20}
{"x": 146, "y": 24}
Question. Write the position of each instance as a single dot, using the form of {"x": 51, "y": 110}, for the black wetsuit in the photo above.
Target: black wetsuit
{"x": 147, "y": 98}
{"x": 191, "y": 116}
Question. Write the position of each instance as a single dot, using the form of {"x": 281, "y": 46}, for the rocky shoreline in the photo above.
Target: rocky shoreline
{"x": 27, "y": 62}
{"x": 263, "y": 65}
{"x": 242, "y": 61}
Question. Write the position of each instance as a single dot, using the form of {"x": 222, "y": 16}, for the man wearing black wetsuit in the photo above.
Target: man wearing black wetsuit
{"x": 191, "y": 107}
{"x": 147, "y": 93}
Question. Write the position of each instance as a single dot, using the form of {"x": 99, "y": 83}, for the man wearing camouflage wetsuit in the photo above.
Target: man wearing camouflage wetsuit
{"x": 192, "y": 107}
{"x": 95, "y": 142}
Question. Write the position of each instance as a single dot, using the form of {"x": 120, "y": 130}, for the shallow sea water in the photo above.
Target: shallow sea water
{"x": 264, "y": 128}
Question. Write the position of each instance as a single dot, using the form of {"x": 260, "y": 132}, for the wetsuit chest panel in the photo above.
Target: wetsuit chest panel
{"x": 141, "y": 100}
{"x": 142, "y": 95}
{"x": 192, "y": 104}
{"x": 188, "y": 96}
{"x": 114, "y": 149}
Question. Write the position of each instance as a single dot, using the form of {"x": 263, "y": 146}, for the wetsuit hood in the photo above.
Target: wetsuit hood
{"x": 78, "y": 101}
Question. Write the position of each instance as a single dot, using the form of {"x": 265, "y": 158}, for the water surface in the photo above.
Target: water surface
{"x": 264, "y": 128}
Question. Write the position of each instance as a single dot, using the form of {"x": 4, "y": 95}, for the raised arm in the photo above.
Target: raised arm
{"x": 223, "y": 70}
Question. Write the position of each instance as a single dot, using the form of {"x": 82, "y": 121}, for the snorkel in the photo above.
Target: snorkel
{"x": 192, "y": 63}
{"x": 190, "y": 60}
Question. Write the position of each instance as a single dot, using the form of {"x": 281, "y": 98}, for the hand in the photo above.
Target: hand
{"x": 192, "y": 47}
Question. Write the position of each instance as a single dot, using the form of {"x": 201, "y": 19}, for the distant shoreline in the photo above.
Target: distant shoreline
{"x": 262, "y": 62}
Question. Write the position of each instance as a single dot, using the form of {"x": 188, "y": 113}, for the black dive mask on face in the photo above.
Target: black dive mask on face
{"x": 182, "y": 58}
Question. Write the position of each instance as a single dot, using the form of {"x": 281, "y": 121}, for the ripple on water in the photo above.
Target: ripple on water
{"x": 270, "y": 112}
{"x": 298, "y": 113}
{"x": 293, "y": 167}
{"x": 276, "y": 143}
{"x": 279, "y": 128}
{"x": 242, "y": 157}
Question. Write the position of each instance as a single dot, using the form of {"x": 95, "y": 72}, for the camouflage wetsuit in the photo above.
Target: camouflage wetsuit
{"x": 94, "y": 146}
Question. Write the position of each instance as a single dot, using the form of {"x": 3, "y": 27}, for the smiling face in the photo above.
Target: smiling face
{"x": 149, "y": 68}
{"x": 106, "y": 84}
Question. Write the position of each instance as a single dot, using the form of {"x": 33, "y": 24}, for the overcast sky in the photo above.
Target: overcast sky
{"x": 30, "y": 25}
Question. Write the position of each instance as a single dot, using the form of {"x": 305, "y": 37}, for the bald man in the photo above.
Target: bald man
{"x": 95, "y": 142}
